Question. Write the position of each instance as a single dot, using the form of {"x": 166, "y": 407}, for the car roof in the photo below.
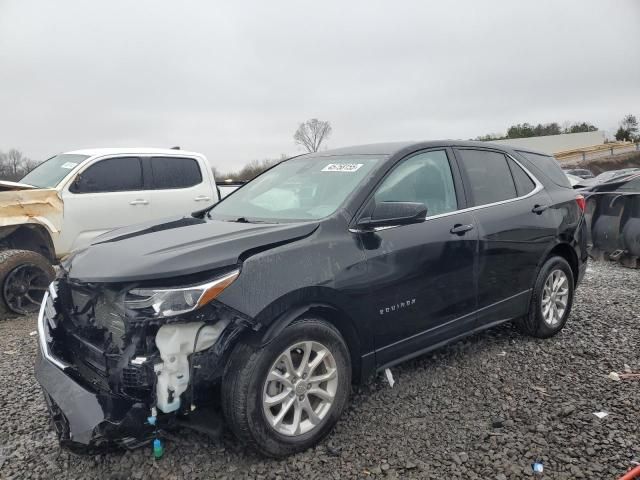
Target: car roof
{"x": 391, "y": 148}
{"x": 98, "y": 152}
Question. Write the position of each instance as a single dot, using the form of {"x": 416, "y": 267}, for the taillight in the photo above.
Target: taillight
{"x": 582, "y": 203}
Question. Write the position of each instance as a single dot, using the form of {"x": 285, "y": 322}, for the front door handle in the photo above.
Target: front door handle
{"x": 139, "y": 201}
{"x": 459, "y": 229}
{"x": 202, "y": 198}
{"x": 538, "y": 209}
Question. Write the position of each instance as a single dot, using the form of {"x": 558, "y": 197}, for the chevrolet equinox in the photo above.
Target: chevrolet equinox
{"x": 320, "y": 272}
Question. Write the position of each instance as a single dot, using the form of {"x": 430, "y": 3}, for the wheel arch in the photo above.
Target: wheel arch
{"x": 334, "y": 316}
{"x": 567, "y": 252}
{"x": 30, "y": 236}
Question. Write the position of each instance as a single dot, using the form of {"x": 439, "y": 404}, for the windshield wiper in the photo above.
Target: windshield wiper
{"x": 248, "y": 220}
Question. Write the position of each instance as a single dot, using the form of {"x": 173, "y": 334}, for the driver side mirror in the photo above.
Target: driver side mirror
{"x": 387, "y": 214}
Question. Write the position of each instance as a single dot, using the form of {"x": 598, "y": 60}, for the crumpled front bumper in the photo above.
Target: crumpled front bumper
{"x": 85, "y": 418}
{"x": 82, "y": 416}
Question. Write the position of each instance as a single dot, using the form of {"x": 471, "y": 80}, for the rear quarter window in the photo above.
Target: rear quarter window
{"x": 549, "y": 166}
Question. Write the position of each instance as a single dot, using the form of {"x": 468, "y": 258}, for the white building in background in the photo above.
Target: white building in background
{"x": 553, "y": 144}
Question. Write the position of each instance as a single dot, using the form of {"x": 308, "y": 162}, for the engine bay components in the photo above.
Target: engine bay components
{"x": 176, "y": 342}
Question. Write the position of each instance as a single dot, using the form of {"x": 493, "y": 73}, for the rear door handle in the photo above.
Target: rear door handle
{"x": 139, "y": 201}
{"x": 538, "y": 209}
{"x": 202, "y": 198}
{"x": 459, "y": 229}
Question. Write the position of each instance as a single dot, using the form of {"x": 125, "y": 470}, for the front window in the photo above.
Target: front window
{"x": 424, "y": 178}
{"x": 305, "y": 188}
{"x": 51, "y": 172}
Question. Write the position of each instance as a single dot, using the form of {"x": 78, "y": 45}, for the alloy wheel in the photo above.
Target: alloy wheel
{"x": 300, "y": 388}
{"x": 555, "y": 297}
{"x": 24, "y": 288}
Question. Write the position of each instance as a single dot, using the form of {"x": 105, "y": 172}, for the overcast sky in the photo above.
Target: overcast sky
{"x": 233, "y": 79}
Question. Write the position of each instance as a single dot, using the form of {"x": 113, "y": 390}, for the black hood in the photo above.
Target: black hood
{"x": 180, "y": 246}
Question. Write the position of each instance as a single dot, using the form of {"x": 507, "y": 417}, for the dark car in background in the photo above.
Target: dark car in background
{"x": 612, "y": 216}
{"x": 320, "y": 272}
{"x": 579, "y": 172}
{"x": 613, "y": 175}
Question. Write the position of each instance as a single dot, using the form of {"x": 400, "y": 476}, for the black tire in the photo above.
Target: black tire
{"x": 10, "y": 262}
{"x": 244, "y": 383}
{"x": 534, "y": 323}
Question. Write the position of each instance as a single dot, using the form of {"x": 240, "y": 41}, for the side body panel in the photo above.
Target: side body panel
{"x": 422, "y": 283}
{"x": 513, "y": 239}
{"x": 327, "y": 268}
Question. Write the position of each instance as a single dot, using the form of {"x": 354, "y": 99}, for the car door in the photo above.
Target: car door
{"x": 179, "y": 186}
{"x": 422, "y": 275}
{"x": 515, "y": 227}
{"x": 108, "y": 193}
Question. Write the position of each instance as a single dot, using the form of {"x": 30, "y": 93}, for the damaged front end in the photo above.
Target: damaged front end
{"x": 114, "y": 355}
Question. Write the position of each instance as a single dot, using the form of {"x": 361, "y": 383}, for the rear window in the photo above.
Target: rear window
{"x": 489, "y": 176}
{"x": 549, "y": 166}
{"x": 175, "y": 172}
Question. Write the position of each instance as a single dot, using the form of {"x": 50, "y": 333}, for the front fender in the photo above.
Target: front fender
{"x": 40, "y": 207}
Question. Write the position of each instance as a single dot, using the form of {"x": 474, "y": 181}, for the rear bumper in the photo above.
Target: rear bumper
{"x": 90, "y": 419}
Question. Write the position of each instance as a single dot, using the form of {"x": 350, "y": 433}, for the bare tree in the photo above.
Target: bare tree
{"x": 15, "y": 160}
{"x": 29, "y": 165}
{"x": 14, "y": 165}
{"x": 312, "y": 133}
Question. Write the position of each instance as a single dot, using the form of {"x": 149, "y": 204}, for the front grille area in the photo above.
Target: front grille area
{"x": 137, "y": 379}
{"x": 91, "y": 336}
{"x": 96, "y": 313}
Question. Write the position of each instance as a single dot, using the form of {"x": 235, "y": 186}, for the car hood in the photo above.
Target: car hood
{"x": 7, "y": 185}
{"x": 175, "y": 247}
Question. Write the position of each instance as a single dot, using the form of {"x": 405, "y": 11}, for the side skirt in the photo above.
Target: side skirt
{"x": 441, "y": 344}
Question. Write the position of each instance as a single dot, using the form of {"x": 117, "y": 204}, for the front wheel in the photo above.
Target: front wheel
{"x": 286, "y": 396}
{"x": 551, "y": 300}
{"x": 24, "y": 277}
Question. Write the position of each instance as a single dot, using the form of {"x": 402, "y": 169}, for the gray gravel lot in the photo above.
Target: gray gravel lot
{"x": 484, "y": 408}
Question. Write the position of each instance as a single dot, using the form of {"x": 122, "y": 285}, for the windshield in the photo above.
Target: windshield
{"x": 50, "y": 172}
{"x": 305, "y": 188}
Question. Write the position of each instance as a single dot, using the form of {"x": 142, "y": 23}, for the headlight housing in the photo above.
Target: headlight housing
{"x": 167, "y": 302}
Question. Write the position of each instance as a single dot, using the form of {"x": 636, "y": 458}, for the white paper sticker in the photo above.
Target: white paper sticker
{"x": 68, "y": 165}
{"x": 342, "y": 167}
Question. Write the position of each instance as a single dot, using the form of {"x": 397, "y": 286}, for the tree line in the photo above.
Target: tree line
{"x": 14, "y": 165}
{"x": 524, "y": 130}
{"x": 627, "y": 131}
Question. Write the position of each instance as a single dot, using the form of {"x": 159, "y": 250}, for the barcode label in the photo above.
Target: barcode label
{"x": 342, "y": 167}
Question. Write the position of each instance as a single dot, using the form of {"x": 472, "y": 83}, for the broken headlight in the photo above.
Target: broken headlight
{"x": 166, "y": 302}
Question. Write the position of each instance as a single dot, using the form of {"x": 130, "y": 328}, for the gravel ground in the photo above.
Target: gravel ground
{"x": 484, "y": 408}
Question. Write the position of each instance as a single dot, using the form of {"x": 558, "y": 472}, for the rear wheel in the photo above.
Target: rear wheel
{"x": 24, "y": 277}
{"x": 551, "y": 300}
{"x": 286, "y": 396}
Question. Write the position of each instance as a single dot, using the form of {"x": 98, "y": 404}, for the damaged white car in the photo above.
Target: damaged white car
{"x": 71, "y": 198}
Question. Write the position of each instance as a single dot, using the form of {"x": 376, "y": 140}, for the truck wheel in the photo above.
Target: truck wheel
{"x": 24, "y": 277}
{"x": 286, "y": 396}
{"x": 551, "y": 300}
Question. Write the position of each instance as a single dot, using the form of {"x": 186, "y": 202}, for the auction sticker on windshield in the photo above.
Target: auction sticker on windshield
{"x": 68, "y": 165}
{"x": 342, "y": 167}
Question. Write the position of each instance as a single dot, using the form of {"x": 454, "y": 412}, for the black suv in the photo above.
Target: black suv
{"x": 322, "y": 271}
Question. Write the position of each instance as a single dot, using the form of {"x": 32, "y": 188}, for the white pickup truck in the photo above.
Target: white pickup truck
{"x": 71, "y": 198}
